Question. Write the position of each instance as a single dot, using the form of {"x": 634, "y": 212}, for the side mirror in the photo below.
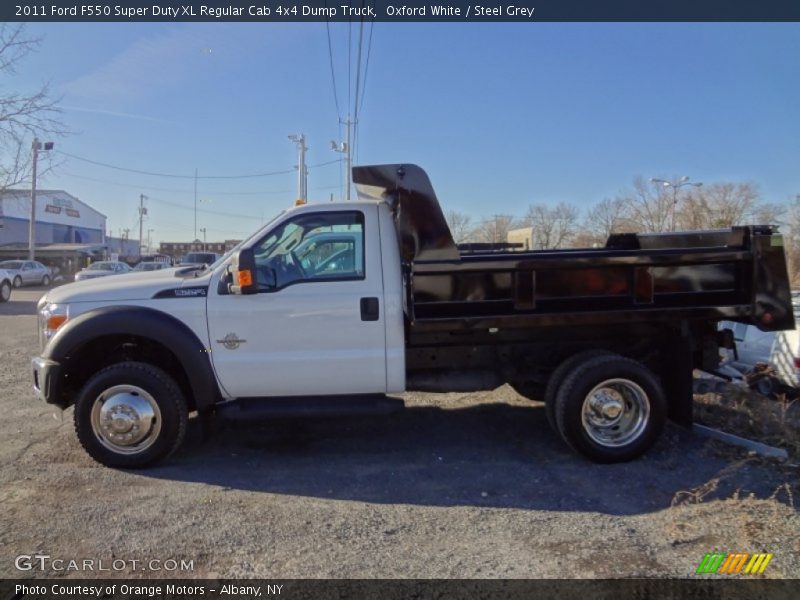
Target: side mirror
{"x": 243, "y": 273}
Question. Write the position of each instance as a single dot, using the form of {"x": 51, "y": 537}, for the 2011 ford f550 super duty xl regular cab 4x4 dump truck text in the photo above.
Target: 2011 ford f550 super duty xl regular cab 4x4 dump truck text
{"x": 330, "y": 307}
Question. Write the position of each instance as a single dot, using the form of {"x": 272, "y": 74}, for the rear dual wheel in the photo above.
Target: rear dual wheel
{"x": 610, "y": 408}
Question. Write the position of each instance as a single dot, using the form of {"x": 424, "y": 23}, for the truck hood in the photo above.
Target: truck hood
{"x": 126, "y": 286}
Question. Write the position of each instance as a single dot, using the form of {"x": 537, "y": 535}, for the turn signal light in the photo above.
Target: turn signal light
{"x": 245, "y": 278}
{"x": 55, "y": 321}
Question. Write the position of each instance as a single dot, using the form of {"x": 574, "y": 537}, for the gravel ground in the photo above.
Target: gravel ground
{"x": 457, "y": 485}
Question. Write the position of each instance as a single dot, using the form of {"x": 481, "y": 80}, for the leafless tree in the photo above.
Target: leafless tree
{"x": 493, "y": 229}
{"x": 553, "y": 226}
{"x": 460, "y": 226}
{"x": 608, "y": 216}
{"x": 649, "y": 206}
{"x": 722, "y": 205}
{"x": 23, "y": 115}
{"x": 769, "y": 213}
{"x": 792, "y": 238}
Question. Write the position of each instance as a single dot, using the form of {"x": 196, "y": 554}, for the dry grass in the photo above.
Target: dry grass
{"x": 746, "y": 413}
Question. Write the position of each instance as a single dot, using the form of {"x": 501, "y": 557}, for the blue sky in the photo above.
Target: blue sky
{"x": 500, "y": 115}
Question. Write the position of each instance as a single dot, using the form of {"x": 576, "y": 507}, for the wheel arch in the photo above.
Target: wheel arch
{"x": 112, "y": 334}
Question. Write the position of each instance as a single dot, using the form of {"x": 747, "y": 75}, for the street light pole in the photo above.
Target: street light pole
{"x": 35, "y": 146}
{"x": 302, "y": 171}
{"x": 142, "y": 213}
{"x": 675, "y": 185}
{"x": 203, "y": 230}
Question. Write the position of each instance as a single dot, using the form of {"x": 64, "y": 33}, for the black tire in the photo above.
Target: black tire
{"x": 46, "y": 280}
{"x": 641, "y": 388}
{"x": 161, "y": 389}
{"x": 558, "y": 376}
{"x": 17, "y": 281}
{"x": 5, "y": 290}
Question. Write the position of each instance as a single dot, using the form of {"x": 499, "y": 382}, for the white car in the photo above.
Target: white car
{"x": 6, "y": 283}
{"x": 102, "y": 269}
{"x": 27, "y": 272}
{"x": 779, "y": 349}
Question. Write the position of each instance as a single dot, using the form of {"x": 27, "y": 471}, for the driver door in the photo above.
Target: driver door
{"x": 316, "y": 327}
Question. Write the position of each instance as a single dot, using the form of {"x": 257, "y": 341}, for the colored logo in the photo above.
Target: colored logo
{"x": 734, "y": 564}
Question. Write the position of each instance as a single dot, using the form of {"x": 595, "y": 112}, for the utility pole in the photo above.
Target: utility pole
{"x": 302, "y": 171}
{"x": 203, "y": 230}
{"x": 345, "y": 148}
{"x": 195, "y": 206}
{"x": 35, "y": 146}
{"x": 149, "y": 241}
{"x": 142, "y": 213}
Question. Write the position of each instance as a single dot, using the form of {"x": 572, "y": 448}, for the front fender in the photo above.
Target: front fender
{"x": 155, "y": 325}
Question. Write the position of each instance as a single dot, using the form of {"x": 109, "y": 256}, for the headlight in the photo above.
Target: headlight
{"x": 51, "y": 317}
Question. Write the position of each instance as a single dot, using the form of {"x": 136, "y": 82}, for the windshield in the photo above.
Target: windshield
{"x": 101, "y": 266}
{"x": 149, "y": 266}
{"x": 11, "y": 264}
{"x": 199, "y": 257}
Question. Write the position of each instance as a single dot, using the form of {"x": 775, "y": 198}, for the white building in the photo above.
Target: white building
{"x": 60, "y": 218}
{"x": 522, "y": 236}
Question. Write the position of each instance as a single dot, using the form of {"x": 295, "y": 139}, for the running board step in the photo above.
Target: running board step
{"x": 247, "y": 409}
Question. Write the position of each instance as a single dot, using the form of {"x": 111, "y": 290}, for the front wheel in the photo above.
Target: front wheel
{"x": 610, "y": 409}
{"x": 130, "y": 415}
{"x": 5, "y": 291}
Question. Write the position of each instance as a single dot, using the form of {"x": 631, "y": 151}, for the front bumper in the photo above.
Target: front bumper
{"x": 47, "y": 381}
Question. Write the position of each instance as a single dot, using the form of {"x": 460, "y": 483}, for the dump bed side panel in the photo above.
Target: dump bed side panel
{"x": 743, "y": 278}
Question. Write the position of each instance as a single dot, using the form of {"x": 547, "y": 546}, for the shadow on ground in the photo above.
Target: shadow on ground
{"x": 17, "y": 307}
{"x": 489, "y": 455}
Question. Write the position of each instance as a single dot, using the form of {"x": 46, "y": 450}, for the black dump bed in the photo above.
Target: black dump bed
{"x": 737, "y": 274}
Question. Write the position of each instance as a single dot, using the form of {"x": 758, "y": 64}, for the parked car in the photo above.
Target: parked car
{"x": 151, "y": 266}
{"x": 102, "y": 269}
{"x": 780, "y": 350}
{"x": 6, "y": 283}
{"x": 27, "y": 272}
{"x": 199, "y": 258}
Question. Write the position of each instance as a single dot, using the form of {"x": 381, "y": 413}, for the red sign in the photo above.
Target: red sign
{"x": 52, "y": 209}
{"x": 71, "y": 212}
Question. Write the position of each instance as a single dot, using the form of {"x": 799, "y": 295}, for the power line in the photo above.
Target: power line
{"x": 208, "y": 192}
{"x": 173, "y": 175}
{"x": 349, "y": 62}
{"x": 366, "y": 64}
{"x": 358, "y": 77}
{"x": 330, "y": 56}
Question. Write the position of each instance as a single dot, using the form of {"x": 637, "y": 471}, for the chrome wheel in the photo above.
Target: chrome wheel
{"x": 126, "y": 419}
{"x": 17, "y": 281}
{"x": 615, "y": 412}
{"x": 5, "y": 291}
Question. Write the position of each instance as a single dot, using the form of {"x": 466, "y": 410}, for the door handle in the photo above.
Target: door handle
{"x": 370, "y": 309}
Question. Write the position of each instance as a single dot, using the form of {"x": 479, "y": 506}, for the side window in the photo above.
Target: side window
{"x": 327, "y": 246}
